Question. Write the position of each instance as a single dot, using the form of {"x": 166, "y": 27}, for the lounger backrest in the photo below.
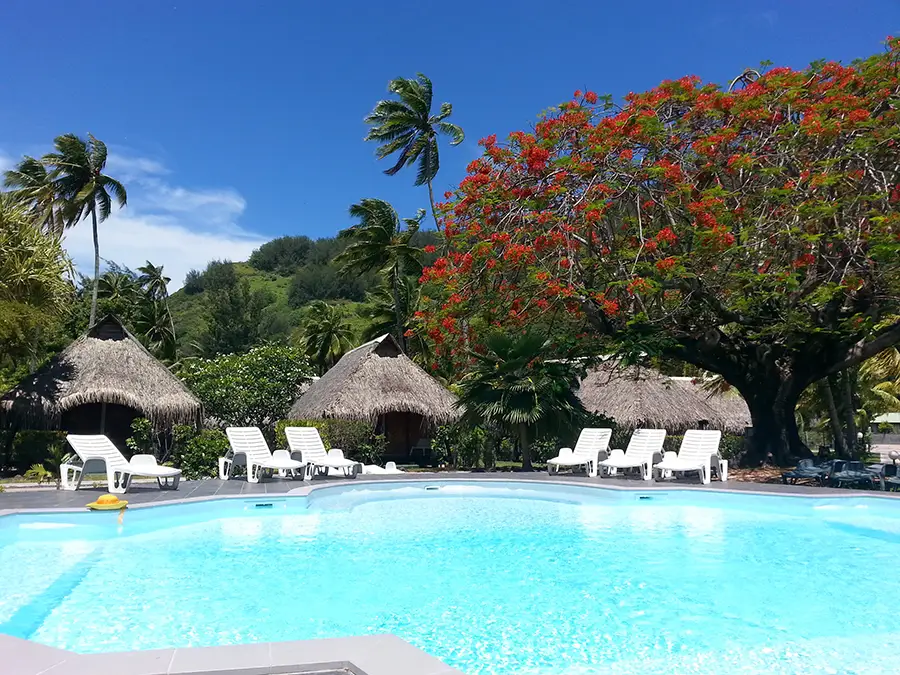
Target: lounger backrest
{"x": 645, "y": 443}
{"x": 306, "y": 441}
{"x": 248, "y": 441}
{"x": 593, "y": 441}
{"x": 97, "y": 447}
{"x": 699, "y": 445}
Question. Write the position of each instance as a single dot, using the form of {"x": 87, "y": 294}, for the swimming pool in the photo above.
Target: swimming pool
{"x": 492, "y": 578}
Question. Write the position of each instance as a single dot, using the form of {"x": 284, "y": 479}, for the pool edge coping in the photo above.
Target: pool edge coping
{"x": 382, "y": 654}
{"x": 540, "y": 479}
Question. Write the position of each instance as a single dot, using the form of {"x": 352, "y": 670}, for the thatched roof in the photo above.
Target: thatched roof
{"x": 106, "y": 365}
{"x": 374, "y": 379}
{"x": 641, "y": 397}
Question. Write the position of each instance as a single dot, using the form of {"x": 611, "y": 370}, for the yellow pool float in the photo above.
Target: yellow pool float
{"x": 107, "y": 503}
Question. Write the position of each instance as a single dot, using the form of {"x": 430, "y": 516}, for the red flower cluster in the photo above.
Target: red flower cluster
{"x": 666, "y": 236}
{"x": 665, "y": 264}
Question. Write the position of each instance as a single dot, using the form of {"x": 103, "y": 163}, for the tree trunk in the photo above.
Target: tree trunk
{"x": 775, "y": 438}
{"x": 96, "y": 268}
{"x": 433, "y": 210}
{"x": 834, "y": 418}
{"x": 526, "y": 448}
{"x": 395, "y": 291}
{"x": 852, "y": 442}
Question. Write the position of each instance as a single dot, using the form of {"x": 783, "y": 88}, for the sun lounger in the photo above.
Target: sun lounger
{"x": 856, "y": 473}
{"x": 592, "y": 443}
{"x": 644, "y": 448}
{"x": 98, "y": 453}
{"x": 806, "y": 470}
{"x": 699, "y": 452}
{"x": 375, "y": 470}
{"x": 306, "y": 443}
{"x": 248, "y": 446}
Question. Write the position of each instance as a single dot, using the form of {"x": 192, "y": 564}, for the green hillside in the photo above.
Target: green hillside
{"x": 285, "y": 275}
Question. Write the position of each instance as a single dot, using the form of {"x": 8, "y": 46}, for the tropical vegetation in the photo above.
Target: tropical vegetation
{"x": 751, "y": 233}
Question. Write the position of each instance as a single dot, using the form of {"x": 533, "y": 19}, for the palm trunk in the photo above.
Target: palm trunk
{"x": 96, "y": 268}
{"x": 834, "y": 418}
{"x": 852, "y": 442}
{"x": 395, "y": 290}
{"x": 433, "y": 210}
{"x": 525, "y": 447}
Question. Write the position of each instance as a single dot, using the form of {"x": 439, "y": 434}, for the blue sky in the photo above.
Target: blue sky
{"x": 233, "y": 122}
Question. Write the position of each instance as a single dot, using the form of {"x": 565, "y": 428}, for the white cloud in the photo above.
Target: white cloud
{"x": 170, "y": 225}
{"x": 6, "y": 162}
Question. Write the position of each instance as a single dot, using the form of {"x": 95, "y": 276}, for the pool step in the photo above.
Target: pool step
{"x": 31, "y": 616}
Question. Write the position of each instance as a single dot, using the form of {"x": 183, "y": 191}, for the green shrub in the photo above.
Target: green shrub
{"x": 198, "y": 455}
{"x": 463, "y": 447}
{"x": 35, "y": 447}
{"x": 732, "y": 446}
{"x": 885, "y": 428}
{"x": 544, "y": 448}
{"x": 142, "y": 440}
{"x": 372, "y": 451}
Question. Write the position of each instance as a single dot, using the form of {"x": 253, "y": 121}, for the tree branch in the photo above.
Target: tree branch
{"x": 863, "y": 350}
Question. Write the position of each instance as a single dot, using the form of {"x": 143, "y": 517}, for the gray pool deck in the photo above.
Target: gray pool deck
{"x": 23, "y": 499}
{"x": 365, "y": 655}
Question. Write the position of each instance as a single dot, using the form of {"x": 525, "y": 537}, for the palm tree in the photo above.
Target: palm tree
{"x": 78, "y": 178}
{"x": 154, "y": 324}
{"x": 880, "y": 376}
{"x": 117, "y": 286}
{"x": 408, "y": 127}
{"x": 514, "y": 385}
{"x": 156, "y": 285}
{"x": 378, "y": 242}
{"x": 33, "y": 185}
{"x": 326, "y": 336}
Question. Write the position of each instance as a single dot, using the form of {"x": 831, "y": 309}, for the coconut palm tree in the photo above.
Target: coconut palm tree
{"x": 379, "y": 242}
{"x": 117, "y": 286}
{"x": 78, "y": 179}
{"x": 326, "y": 336}
{"x": 154, "y": 324}
{"x": 156, "y": 285}
{"x": 515, "y": 386}
{"x": 408, "y": 127}
{"x": 32, "y": 184}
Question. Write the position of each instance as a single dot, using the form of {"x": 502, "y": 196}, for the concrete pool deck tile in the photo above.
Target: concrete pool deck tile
{"x": 24, "y": 657}
{"x": 148, "y": 662}
{"x": 250, "y": 659}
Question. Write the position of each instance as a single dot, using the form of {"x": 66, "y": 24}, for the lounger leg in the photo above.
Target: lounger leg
{"x": 646, "y": 471}
{"x": 226, "y": 466}
{"x": 704, "y": 475}
{"x": 115, "y": 481}
{"x": 163, "y": 482}
{"x": 252, "y": 472}
{"x": 74, "y": 482}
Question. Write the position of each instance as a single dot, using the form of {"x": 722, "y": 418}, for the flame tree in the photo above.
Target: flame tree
{"x": 753, "y": 233}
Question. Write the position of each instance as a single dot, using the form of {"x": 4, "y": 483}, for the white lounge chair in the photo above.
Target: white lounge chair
{"x": 699, "y": 452}
{"x": 248, "y": 446}
{"x": 96, "y": 453}
{"x": 374, "y": 469}
{"x": 592, "y": 443}
{"x": 306, "y": 443}
{"x": 644, "y": 448}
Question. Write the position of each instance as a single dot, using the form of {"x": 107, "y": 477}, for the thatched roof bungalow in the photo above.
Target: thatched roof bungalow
{"x": 642, "y": 397}
{"x": 99, "y": 383}
{"x": 378, "y": 383}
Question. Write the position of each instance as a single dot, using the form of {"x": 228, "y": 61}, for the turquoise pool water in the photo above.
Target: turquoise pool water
{"x": 494, "y": 580}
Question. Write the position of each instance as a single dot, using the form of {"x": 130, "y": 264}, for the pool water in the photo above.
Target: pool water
{"x": 493, "y": 581}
